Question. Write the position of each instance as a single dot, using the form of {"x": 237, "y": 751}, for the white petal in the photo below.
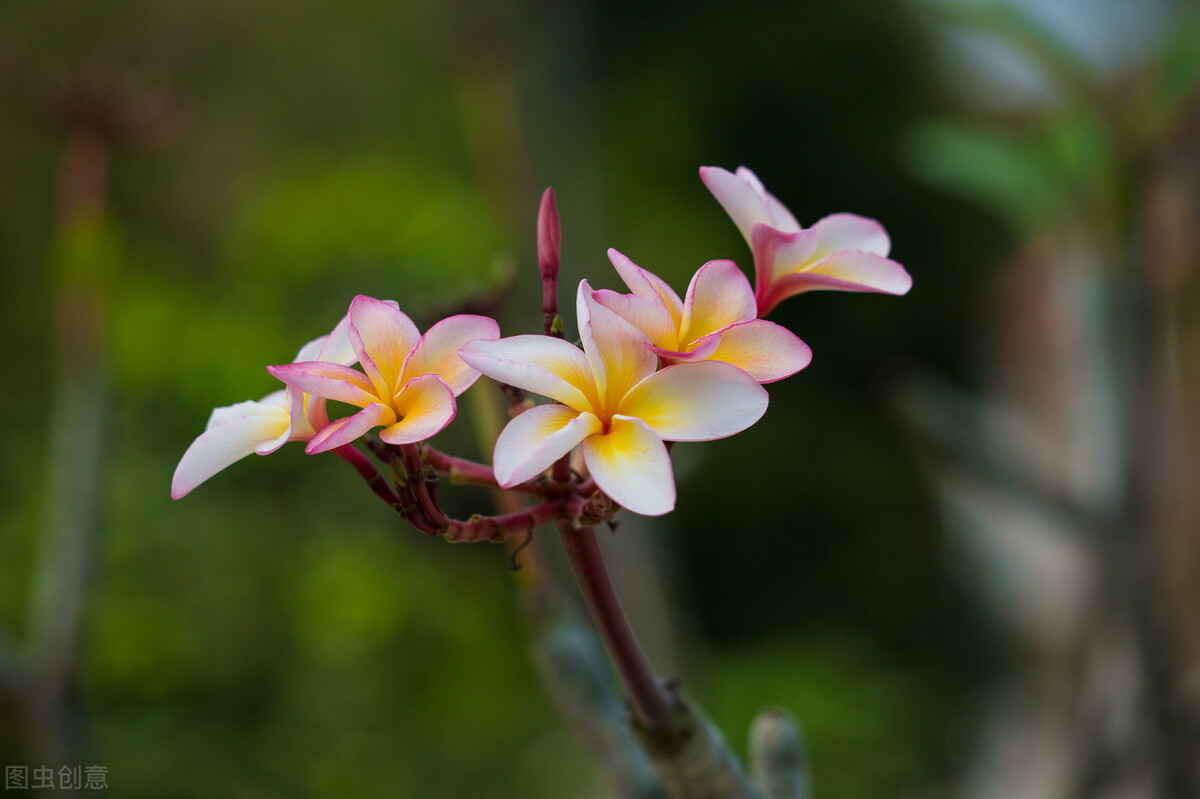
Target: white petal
{"x": 547, "y": 366}
{"x": 648, "y": 316}
{"x": 745, "y": 206}
{"x": 232, "y": 438}
{"x": 536, "y": 439}
{"x": 645, "y": 283}
{"x": 614, "y": 348}
{"x": 838, "y": 232}
{"x": 764, "y": 350}
{"x": 382, "y": 337}
{"x": 437, "y": 351}
{"x": 337, "y": 347}
{"x": 425, "y": 405}
{"x": 718, "y": 296}
{"x": 350, "y": 428}
{"x": 630, "y": 464}
{"x": 267, "y": 406}
{"x": 697, "y": 401}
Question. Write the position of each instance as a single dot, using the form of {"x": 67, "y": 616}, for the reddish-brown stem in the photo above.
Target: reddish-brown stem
{"x": 503, "y": 527}
{"x": 650, "y": 700}
{"x": 420, "y": 488}
{"x": 468, "y": 472}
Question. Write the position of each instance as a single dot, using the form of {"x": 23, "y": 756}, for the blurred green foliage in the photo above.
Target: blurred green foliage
{"x": 277, "y": 633}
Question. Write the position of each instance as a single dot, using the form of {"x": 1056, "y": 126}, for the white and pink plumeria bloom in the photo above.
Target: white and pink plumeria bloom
{"x": 613, "y": 404}
{"x": 841, "y": 252}
{"x": 408, "y": 384}
{"x": 263, "y": 426}
{"x": 717, "y": 320}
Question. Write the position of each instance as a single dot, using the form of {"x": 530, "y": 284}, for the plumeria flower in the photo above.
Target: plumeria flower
{"x": 717, "y": 321}
{"x": 614, "y": 405}
{"x": 842, "y": 252}
{"x": 409, "y": 381}
{"x": 261, "y": 427}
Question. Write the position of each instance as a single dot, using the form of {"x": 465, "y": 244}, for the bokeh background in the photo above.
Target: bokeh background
{"x": 961, "y": 546}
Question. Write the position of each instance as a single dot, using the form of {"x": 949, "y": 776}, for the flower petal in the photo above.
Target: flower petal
{"x": 838, "y": 232}
{"x": 776, "y": 254}
{"x": 843, "y": 271}
{"x": 350, "y": 428}
{"x": 697, "y": 401}
{"x": 330, "y": 380}
{"x": 231, "y": 438}
{"x": 698, "y": 350}
{"x": 382, "y": 337}
{"x": 647, "y": 315}
{"x": 267, "y": 406}
{"x": 744, "y": 205}
{"x": 718, "y": 296}
{"x": 547, "y": 366}
{"x": 645, "y": 283}
{"x": 746, "y": 200}
{"x": 425, "y": 405}
{"x": 531, "y": 442}
{"x": 436, "y": 352}
{"x": 764, "y": 350}
{"x": 630, "y": 464}
{"x": 864, "y": 271}
{"x": 337, "y": 347}
{"x": 779, "y": 215}
{"x": 615, "y": 349}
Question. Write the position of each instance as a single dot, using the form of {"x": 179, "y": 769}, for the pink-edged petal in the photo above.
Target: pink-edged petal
{"x": 838, "y": 232}
{"x": 425, "y": 405}
{"x": 645, "y": 283}
{"x": 547, "y": 366}
{"x": 350, "y": 428}
{"x": 647, "y": 315}
{"x": 330, "y": 380}
{"x": 698, "y": 350}
{"x": 436, "y": 353}
{"x": 777, "y": 253}
{"x": 844, "y": 271}
{"x": 233, "y": 437}
{"x": 745, "y": 206}
{"x": 614, "y": 348}
{"x": 630, "y": 464}
{"x": 718, "y": 296}
{"x": 308, "y": 416}
{"x": 697, "y": 401}
{"x": 337, "y": 347}
{"x": 859, "y": 271}
{"x": 778, "y": 214}
{"x": 764, "y": 350}
{"x": 382, "y": 337}
{"x": 267, "y": 406}
{"x": 537, "y": 438}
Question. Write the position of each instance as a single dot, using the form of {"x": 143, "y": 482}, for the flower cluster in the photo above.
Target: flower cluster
{"x": 652, "y": 368}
